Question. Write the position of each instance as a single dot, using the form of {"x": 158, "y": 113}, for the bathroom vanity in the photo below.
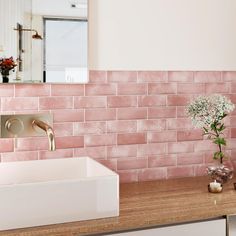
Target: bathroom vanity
{"x": 164, "y": 207}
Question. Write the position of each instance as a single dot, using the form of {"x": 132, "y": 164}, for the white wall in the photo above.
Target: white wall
{"x": 162, "y": 34}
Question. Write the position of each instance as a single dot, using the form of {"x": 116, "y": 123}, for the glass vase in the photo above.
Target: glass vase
{"x": 221, "y": 173}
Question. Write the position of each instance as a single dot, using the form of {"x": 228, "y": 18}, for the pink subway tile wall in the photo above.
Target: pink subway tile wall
{"x": 132, "y": 122}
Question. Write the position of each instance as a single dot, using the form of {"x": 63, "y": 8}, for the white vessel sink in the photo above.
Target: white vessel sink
{"x": 34, "y": 193}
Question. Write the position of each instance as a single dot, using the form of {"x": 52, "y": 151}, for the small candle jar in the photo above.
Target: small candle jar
{"x": 215, "y": 187}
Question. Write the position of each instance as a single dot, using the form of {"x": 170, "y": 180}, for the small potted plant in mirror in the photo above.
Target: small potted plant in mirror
{"x": 208, "y": 113}
{"x": 6, "y": 66}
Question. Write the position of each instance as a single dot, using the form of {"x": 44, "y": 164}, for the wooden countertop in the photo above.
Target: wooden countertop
{"x": 149, "y": 204}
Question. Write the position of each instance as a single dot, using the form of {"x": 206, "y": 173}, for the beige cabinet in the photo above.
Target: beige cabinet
{"x": 211, "y": 227}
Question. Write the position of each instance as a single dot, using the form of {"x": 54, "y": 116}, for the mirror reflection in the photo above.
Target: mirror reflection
{"x": 44, "y": 41}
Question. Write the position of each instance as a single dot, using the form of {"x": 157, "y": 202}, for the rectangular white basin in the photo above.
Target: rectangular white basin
{"x": 34, "y": 193}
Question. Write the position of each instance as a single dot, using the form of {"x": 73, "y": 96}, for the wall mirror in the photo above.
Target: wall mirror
{"x": 47, "y": 40}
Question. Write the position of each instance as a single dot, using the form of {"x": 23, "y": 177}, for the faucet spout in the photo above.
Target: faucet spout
{"x": 49, "y": 131}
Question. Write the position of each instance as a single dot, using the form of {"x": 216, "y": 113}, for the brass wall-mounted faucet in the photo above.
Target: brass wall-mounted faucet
{"x": 49, "y": 131}
{"x": 15, "y": 126}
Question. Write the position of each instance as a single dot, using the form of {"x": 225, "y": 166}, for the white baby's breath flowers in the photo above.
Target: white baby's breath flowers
{"x": 205, "y": 110}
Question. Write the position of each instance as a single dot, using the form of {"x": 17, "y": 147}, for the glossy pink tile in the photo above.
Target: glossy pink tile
{"x": 100, "y": 89}
{"x": 90, "y": 102}
{"x": 122, "y": 126}
{"x": 135, "y": 138}
{"x": 152, "y": 174}
{"x": 132, "y": 163}
{"x": 32, "y": 90}
{"x": 121, "y": 76}
{"x": 99, "y": 140}
{"x": 207, "y": 77}
{"x": 68, "y": 90}
{"x": 121, "y": 101}
{"x": 132, "y": 89}
{"x": 89, "y": 128}
{"x": 19, "y": 156}
{"x": 100, "y": 114}
{"x": 122, "y": 151}
{"x": 19, "y": 104}
{"x": 180, "y": 76}
{"x": 152, "y": 76}
{"x": 162, "y": 88}
{"x": 151, "y": 100}
{"x": 51, "y": 103}
{"x": 131, "y": 113}
{"x": 97, "y": 76}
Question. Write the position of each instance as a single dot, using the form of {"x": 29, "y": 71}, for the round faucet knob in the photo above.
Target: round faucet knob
{"x": 14, "y": 126}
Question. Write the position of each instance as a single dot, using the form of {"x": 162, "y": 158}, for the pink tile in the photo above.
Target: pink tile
{"x": 122, "y": 151}
{"x": 121, "y": 76}
{"x": 152, "y": 76}
{"x": 122, "y": 101}
{"x": 90, "y": 102}
{"x": 151, "y": 101}
{"x": 7, "y": 90}
{"x": 162, "y": 161}
{"x": 69, "y": 90}
{"x": 190, "y": 158}
{"x": 180, "y": 76}
{"x": 111, "y": 164}
{"x": 231, "y": 143}
{"x": 152, "y": 174}
{"x": 195, "y": 134}
{"x": 69, "y": 142}
{"x": 128, "y": 176}
{"x": 100, "y": 114}
{"x": 151, "y": 125}
{"x": 32, "y": 90}
{"x": 19, "y": 156}
{"x": 135, "y": 138}
{"x": 162, "y": 112}
{"x": 207, "y": 77}
{"x": 100, "y": 89}
{"x": 68, "y": 115}
{"x": 19, "y": 104}
{"x": 229, "y": 76}
{"x": 233, "y": 133}
{"x": 63, "y": 129}
{"x": 178, "y": 100}
{"x": 182, "y": 171}
{"x": 233, "y": 87}
{"x": 89, "y": 128}
{"x": 180, "y": 147}
{"x": 32, "y": 144}
{"x": 160, "y": 137}
{"x": 99, "y": 140}
{"x": 121, "y": 126}
{"x": 132, "y": 89}
{"x": 6, "y": 145}
{"x": 205, "y": 145}
{"x": 59, "y": 153}
{"x": 179, "y": 123}
{"x": 131, "y": 163}
{"x": 97, "y": 76}
{"x": 200, "y": 170}
{"x": 191, "y": 88}
{"x": 47, "y": 103}
{"x": 162, "y": 88}
{"x": 232, "y": 97}
{"x": 131, "y": 113}
{"x": 93, "y": 152}
{"x": 181, "y": 112}
{"x": 151, "y": 149}
{"x": 218, "y": 88}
